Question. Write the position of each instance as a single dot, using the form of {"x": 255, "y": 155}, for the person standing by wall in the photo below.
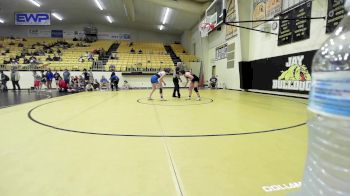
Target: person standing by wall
{"x": 49, "y": 77}
{"x": 114, "y": 81}
{"x": 66, "y": 76}
{"x": 15, "y": 77}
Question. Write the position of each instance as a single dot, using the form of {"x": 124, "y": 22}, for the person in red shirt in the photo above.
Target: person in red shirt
{"x": 62, "y": 85}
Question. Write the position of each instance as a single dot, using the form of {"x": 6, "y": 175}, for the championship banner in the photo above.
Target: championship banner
{"x": 273, "y": 7}
{"x": 335, "y": 13}
{"x": 288, "y": 73}
{"x": 295, "y": 30}
{"x": 259, "y": 11}
{"x": 33, "y": 19}
{"x": 231, "y": 31}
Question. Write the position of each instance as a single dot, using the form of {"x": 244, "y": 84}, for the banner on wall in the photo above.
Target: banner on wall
{"x": 57, "y": 33}
{"x": 33, "y": 19}
{"x": 39, "y": 33}
{"x": 287, "y": 73}
{"x": 113, "y": 35}
{"x": 295, "y": 30}
{"x": 335, "y": 13}
{"x": 259, "y": 11}
{"x": 231, "y": 31}
{"x": 273, "y": 7}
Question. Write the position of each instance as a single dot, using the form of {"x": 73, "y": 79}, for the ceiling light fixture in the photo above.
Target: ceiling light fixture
{"x": 1, "y": 20}
{"x": 109, "y": 19}
{"x": 98, "y": 3}
{"x": 35, "y": 3}
{"x": 161, "y": 27}
{"x": 126, "y": 10}
{"x": 58, "y": 17}
{"x": 166, "y": 16}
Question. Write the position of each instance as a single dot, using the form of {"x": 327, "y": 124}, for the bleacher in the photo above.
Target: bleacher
{"x": 182, "y": 54}
{"x": 69, "y": 56}
{"x": 152, "y": 58}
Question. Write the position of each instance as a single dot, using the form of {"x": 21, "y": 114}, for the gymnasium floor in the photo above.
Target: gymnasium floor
{"x": 119, "y": 143}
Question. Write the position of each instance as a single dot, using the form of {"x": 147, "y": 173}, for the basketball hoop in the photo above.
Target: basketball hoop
{"x": 205, "y": 27}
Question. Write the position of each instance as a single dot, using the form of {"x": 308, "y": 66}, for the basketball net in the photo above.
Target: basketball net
{"x": 205, "y": 27}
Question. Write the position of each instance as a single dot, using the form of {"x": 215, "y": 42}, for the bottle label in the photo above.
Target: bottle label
{"x": 330, "y": 94}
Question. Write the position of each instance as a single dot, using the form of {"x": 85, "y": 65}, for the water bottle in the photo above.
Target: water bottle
{"x": 327, "y": 169}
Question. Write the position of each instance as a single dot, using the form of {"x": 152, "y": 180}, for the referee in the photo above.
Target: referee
{"x": 176, "y": 79}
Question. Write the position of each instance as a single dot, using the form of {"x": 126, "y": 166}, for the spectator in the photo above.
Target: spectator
{"x": 56, "y": 58}
{"x": 140, "y": 51}
{"x": 213, "y": 81}
{"x": 90, "y": 57}
{"x": 96, "y": 85}
{"x": 66, "y": 76}
{"x": 37, "y": 80}
{"x": 91, "y": 77}
{"x": 56, "y": 76}
{"x": 75, "y": 39}
{"x": 4, "y": 79}
{"x": 26, "y": 61}
{"x": 62, "y": 85}
{"x": 126, "y": 85}
{"x": 82, "y": 82}
{"x": 20, "y": 45}
{"x": 132, "y": 51}
{"x": 49, "y": 77}
{"x": 81, "y": 59}
{"x": 49, "y": 58}
{"x": 86, "y": 76}
{"x": 104, "y": 82}
{"x": 89, "y": 87}
{"x": 15, "y": 77}
{"x": 43, "y": 79}
{"x": 114, "y": 81}
{"x": 59, "y": 51}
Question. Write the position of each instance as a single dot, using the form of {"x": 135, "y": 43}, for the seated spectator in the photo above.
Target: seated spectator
{"x": 81, "y": 59}
{"x": 104, "y": 83}
{"x": 90, "y": 57}
{"x": 50, "y": 51}
{"x": 213, "y": 81}
{"x": 4, "y": 79}
{"x": 20, "y": 45}
{"x": 56, "y": 58}
{"x": 49, "y": 58}
{"x": 96, "y": 85}
{"x": 132, "y": 51}
{"x": 184, "y": 51}
{"x": 26, "y": 61}
{"x": 140, "y": 51}
{"x": 75, "y": 39}
{"x": 131, "y": 43}
{"x": 7, "y": 50}
{"x": 126, "y": 85}
{"x": 59, "y": 51}
{"x": 89, "y": 87}
{"x": 111, "y": 67}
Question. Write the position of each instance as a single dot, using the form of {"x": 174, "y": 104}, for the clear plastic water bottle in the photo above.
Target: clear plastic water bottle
{"x": 327, "y": 169}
